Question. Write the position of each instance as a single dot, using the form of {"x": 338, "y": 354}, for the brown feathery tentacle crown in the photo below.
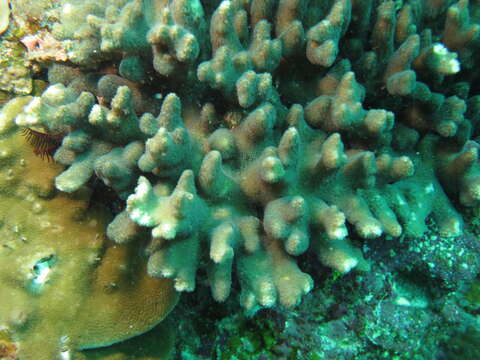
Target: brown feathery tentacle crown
{"x": 44, "y": 145}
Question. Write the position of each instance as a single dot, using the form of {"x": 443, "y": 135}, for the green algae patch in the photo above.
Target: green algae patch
{"x": 64, "y": 285}
{"x": 473, "y": 293}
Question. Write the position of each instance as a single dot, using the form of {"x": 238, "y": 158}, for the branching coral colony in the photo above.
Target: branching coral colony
{"x": 244, "y": 133}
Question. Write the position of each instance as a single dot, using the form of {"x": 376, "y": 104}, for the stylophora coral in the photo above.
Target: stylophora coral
{"x": 285, "y": 126}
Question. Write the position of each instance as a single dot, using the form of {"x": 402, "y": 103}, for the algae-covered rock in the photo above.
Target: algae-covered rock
{"x": 15, "y": 75}
{"x": 64, "y": 286}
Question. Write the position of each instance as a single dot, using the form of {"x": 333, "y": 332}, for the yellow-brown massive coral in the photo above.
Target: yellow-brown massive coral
{"x": 64, "y": 286}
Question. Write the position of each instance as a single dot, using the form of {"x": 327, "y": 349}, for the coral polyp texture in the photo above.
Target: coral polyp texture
{"x": 242, "y": 134}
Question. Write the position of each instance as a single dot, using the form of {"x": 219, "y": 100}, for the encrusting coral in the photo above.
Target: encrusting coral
{"x": 283, "y": 126}
{"x": 64, "y": 286}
